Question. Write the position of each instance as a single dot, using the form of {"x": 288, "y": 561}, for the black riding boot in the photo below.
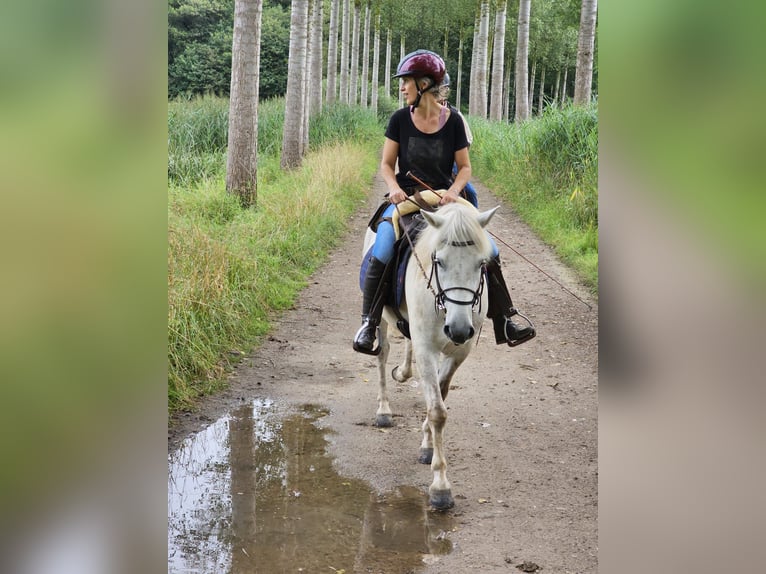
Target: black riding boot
{"x": 373, "y": 298}
{"x": 501, "y": 309}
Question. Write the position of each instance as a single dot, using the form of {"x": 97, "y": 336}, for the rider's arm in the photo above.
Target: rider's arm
{"x": 387, "y": 170}
{"x": 463, "y": 162}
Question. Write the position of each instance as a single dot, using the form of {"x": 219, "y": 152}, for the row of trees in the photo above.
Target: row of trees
{"x": 335, "y": 54}
{"x": 200, "y": 40}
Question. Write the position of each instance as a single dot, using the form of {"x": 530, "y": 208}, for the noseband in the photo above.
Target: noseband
{"x": 440, "y": 295}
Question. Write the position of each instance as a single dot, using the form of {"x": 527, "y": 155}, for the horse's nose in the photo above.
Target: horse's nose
{"x": 459, "y": 336}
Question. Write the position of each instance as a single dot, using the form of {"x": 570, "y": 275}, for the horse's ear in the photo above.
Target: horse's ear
{"x": 485, "y": 216}
{"x": 433, "y": 218}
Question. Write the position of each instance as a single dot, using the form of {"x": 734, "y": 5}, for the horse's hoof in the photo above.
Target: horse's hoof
{"x": 441, "y": 500}
{"x": 426, "y": 454}
{"x": 384, "y": 421}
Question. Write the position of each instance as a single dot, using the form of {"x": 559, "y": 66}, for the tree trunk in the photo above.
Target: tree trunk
{"x": 459, "y": 82}
{"x": 353, "y": 95}
{"x": 508, "y": 90}
{"x": 401, "y": 55}
{"x": 498, "y": 61}
{"x": 472, "y": 82}
{"x": 532, "y": 86}
{"x": 556, "y": 89}
{"x": 332, "y": 53}
{"x": 315, "y": 58}
{"x": 242, "y": 152}
{"x": 292, "y": 137}
{"x": 306, "y": 112}
{"x": 585, "y": 43}
{"x": 387, "y": 69}
{"x": 343, "y": 97}
{"x": 522, "y": 55}
{"x": 540, "y": 97}
{"x": 482, "y": 51}
{"x": 375, "y": 66}
{"x": 365, "y": 56}
{"x": 564, "y": 88}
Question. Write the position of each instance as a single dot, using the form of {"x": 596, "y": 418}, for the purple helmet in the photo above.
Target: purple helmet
{"x": 422, "y": 63}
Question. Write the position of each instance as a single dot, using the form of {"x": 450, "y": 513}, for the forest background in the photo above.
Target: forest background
{"x": 200, "y": 42}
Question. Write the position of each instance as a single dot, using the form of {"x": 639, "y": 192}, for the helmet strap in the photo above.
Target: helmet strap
{"x": 420, "y": 92}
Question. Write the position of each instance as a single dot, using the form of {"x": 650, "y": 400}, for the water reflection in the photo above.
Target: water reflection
{"x": 256, "y": 492}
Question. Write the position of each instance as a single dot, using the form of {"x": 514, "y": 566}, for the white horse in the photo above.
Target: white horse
{"x": 445, "y": 306}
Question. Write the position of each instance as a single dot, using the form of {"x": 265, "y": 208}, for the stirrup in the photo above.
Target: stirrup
{"x": 530, "y": 335}
{"x": 367, "y": 350}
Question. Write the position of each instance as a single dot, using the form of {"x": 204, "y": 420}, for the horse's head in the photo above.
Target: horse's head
{"x": 459, "y": 250}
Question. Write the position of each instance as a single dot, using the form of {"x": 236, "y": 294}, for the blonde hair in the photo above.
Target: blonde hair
{"x": 440, "y": 91}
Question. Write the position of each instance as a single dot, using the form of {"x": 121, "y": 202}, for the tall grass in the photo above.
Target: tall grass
{"x": 230, "y": 269}
{"x": 547, "y": 168}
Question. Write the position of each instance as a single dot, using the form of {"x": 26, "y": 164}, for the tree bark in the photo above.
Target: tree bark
{"x": 458, "y": 79}
{"x": 242, "y": 152}
{"x": 344, "y": 34}
{"x": 482, "y": 51}
{"x": 332, "y": 54}
{"x": 315, "y": 58}
{"x": 498, "y": 62}
{"x": 364, "y": 83}
{"x": 292, "y": 136}
{"x": 585, "y": 43}
{"x": 387, "y": 69}
{"x": 401, "y": 55}
{"x": 353, "y": 95}
{"x": 375, "y": 66}
{"x": 564, "y": 87}
{"x": 508, "y": 90}
{"x": 522, "y": 56}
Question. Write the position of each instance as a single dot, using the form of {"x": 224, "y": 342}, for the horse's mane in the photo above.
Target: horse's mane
{"x": 461, "y": 227}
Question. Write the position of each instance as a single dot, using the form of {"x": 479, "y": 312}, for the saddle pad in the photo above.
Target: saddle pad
{"x": 430, "y": 197}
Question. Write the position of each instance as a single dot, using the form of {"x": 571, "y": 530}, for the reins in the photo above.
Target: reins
{"x": 415, "y": 255}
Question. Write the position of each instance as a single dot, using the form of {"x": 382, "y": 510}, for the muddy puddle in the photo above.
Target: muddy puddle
{"x": 257, "y": 492}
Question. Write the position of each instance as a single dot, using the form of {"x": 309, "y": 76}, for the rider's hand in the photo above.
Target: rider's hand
{"x": 449, "y": 197}
{"x": 396, "y": 196}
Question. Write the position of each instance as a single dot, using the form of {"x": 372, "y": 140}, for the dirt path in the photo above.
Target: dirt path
{"x": 522, "y": 430}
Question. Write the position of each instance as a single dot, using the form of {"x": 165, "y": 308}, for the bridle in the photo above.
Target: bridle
{"x": 440, "y": 294}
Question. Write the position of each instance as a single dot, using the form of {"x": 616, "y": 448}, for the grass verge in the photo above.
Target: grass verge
{"x": 547, "y": 169}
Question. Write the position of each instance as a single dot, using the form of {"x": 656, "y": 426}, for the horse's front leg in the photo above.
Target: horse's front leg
{"x": 383, "y": 416}
{"x": 440, "y": 491}
{"x": 447, "y": 370}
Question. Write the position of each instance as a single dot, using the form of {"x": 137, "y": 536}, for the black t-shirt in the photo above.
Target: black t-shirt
{"x": 429, "y": 156}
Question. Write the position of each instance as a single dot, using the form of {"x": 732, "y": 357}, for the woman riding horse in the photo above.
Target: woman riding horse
{"x": 426, "y": 138}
